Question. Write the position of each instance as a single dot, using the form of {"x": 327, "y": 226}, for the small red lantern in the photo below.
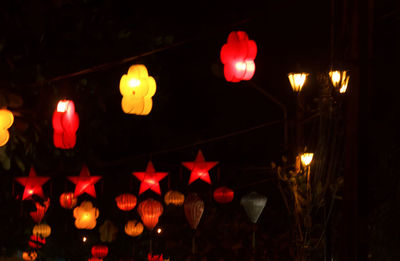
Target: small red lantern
{"x": 238, "y": 56}
{"x": 150, "y": 210}
{"x": 126, "y": 202}
{"x": 150, "y": 257}
{"x": 65, "y": 124}
{"x": 100, "y": 251}
{"x": 95, "y": 259}
{"x": 223, "y": 195}
{"x": 68, "y": 200}
{"x": 36, "y": 241}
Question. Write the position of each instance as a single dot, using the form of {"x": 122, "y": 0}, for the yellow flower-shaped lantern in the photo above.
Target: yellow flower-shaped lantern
{"x": 137, "y": 89}
{"x": 6, "y": 120}
{"x": 85, "y": 215}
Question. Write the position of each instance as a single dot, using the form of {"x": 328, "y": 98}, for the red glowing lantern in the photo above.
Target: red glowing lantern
{"x": 194, "y": 208}
{"x": 199, "y": 168}
{"x": 223, "y": 195}
{"x": 150, "y": 257}
{"x": 126, "y": 202}
{"x": 68, "y": 200}
{"x": 238, "y": 56}
{"x": 33, "y": 184}
{"x": 65, "y": 124}
{"x": 36, "y": 241}
{"x": 41, "y": 209}
{"x": 150, "y": 179}
{"x": 95, "y": 259}
{"x": 150, "y": 210}
{"x": 100, "y": 251}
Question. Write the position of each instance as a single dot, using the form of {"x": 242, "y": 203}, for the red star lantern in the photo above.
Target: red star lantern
{"x": 85, "y": 183}
{"x": 150, "y": 179}
{"x": 199, "y": 168}
{"x": 33, "y": 184}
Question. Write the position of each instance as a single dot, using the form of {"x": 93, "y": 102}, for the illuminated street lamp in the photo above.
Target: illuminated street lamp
{"x": 297, "y": 80}
{"x": 340, "y": 80}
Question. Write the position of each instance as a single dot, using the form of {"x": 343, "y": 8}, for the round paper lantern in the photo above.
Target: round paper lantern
{"x": 126, "y": 202}
{"x": 65, "y": 125}
{"x": 253, "y": 203}
{"x": 238, "y": 56}
{"x": 150, "y": 210}
{"x": 223, "y": 195}
{"x": 68, "y": 200}
{"x": 137, "y": 89}
{"x": 85, "y": 215}
{"x": 133, "y": 228}
{"x": 6, "y": 120}
{"x": 99, "y": 251}
{"x": 36, "y": 241}
{"x": 174, "y": 197}
{"x": 29, "y": 256}
{"x": 42, "y": 230}
{"x": 194, "y": 208}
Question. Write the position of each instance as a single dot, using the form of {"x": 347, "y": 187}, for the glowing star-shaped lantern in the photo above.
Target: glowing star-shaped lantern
{"x": 133, "y": 228}
{"x": 223, "y": 195}
{"x": 85, "y": 183}
{"x": 150, "y": 211}
{"x": 41, "y": 209}
{"x": 33, "y": 184}
{"x": 42, "y": 230}
{"x": 174, "y": 197}
{"x": 151, "y": 257}
{"x": 99, "y": 251}
{"x": 150, "y": 179}
{"x": 194, "y": 208}
{"x": 6, "y": 120}
{"x": 253, "y": 203}
{"x": 65, "y": 125}
{"x": 137, "y": 89}
{"x": 68, "y": 200}
{"x": 238, "y": 56}
{"x": 85, "y": 215}
{"x": 199, "y": 168}
{"x": 126, "y": 202}
{"x": 108, "y": 231}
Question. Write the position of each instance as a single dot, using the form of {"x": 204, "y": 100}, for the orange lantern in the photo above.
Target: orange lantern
{"x": 133, "y": 228}
{"x": 174, "y": 197}
{"x": 36, "y": 241}
{"x": 100, "y": 251}
{"x": 42, "y": 230}
{"x": 85, "y": 215}
{"x": 223, "y": 195}
{"x": 68, "y": 200}
{"x": 150, "y": 210}
{"x": 137, "y": 89}
{"x": 6, "y": 120}
{"x": 29, "y": 256}
{"x": 65, "y": 124}
{"x": 238, "y": 56}
{"x": 126, "y": 201}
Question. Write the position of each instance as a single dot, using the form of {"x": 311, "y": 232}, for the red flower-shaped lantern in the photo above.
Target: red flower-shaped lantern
{"x": 238, "y": 56}
{"x": 126, "y": 201}
{"x": 36, "y": 241}
{"x": 65, "y": 125}
{"x": 100, "y": 251}
{"x": 68, "y": 200}
{"x": 150, "y": 210}
{"x": 223, "y": 195}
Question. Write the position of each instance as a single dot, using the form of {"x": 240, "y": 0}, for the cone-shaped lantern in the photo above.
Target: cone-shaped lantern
{"x": 194, "y": 208}
{"x": 253, "y": 203}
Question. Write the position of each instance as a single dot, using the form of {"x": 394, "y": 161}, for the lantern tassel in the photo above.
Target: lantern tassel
{"x": 194, "y": 244}
{"x": 254, "y": 239}
{"x": 151, "y": 247}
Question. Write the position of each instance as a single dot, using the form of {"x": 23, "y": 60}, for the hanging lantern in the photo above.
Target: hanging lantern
{"x": 36, "y": 241}
{"x": 29, "y": 256}
{"x": 238, "y": 56}
{"x": 6, "y": 120}
{"x": 223, "y": 195}
{"x": 41, "y": 209}
{"x": 253, "y": 203}
{"x": 133, "y": 228}
{"x": 85, "y": 215}
{"x": 108, "y": 231}
{"x": 99, "y": 251}
{"x": 297, "y": 80}
{"x": 194, "y": 208}
{"x": 150, "y": 257}
{"x": 126, "y": 201}
{"x": 150, "y": 210}
{"x": 68, "y": 200}
{"x": 42, "y": 230}
{"x": 33, "y": 184}
{"x": 174, "y": 197}
{"x": 199, "y": 168}
{"x": 150, "y": 179}
{"x": 95, "y": 259}
{"x": 340, "y": 80}
{"x": 137, "y": 89}
{"x": 65, "y": 125}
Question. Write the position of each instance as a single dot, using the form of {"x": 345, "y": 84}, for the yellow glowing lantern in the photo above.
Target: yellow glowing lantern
{"x": 297, "y": 80}
{"x": 137, "y": 89}
{"x": 85, "y": 215}
{"x": 340, "y": 79}
{"x": 133, "y": 228}
{"x": 29, "y": 256}
{"x": 306, "y": 158}
{"x": 6, "y": 120}
{"x": 42, "y": 230}
{"x": 174, "y": 197}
